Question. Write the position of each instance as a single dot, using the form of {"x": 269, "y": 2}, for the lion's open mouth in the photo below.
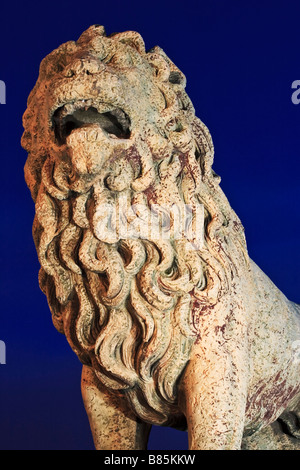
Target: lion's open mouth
{"x": 115, "y": 122}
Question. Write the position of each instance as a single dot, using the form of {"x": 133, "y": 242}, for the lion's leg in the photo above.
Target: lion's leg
{"x": 272, "y": 437}
{"x": 283, "y": 434}
{"x": 214, "y": 410}
{"x": 290, "y": 418}
{"x": 113, "y": 425}
{"x": 214, "y": 389}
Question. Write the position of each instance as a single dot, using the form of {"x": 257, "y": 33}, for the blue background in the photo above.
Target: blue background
{"x": 240, "y": 59}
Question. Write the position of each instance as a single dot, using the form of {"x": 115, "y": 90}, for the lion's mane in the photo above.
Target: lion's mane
{"x": 129, "y": 307}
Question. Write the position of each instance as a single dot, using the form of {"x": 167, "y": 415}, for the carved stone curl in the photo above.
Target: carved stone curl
{"x": 174, "y": 327}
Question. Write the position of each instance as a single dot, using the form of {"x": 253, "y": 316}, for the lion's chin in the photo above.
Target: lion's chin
{"x": 113, "y": 121}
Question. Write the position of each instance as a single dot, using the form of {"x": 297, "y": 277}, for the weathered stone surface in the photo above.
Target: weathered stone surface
{"x": 143, "y": 261}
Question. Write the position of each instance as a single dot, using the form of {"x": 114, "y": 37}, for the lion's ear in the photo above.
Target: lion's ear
{"x": 132, "y": 38}
{"x": 90, "y": 33}
{"x": 166, "y": 69}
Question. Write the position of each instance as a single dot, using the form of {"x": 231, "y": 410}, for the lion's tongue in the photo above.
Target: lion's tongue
{"x": 84, "y": 136}
{"x": 87, "y": 150}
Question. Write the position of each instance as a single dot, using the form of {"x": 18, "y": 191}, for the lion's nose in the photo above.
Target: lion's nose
{"x": 88, "y": 66}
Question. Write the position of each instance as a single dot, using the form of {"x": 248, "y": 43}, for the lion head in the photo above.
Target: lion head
{"x": 109, "y": 125}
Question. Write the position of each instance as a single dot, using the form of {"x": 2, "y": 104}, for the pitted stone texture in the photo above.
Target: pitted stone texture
{"x": 175, "y": 328}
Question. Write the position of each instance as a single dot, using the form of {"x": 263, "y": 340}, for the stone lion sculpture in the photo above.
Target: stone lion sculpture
{"x": 174, "y": 328}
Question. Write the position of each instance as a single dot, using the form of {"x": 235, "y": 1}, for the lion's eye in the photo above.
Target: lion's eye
{"x": 115, "y": 123}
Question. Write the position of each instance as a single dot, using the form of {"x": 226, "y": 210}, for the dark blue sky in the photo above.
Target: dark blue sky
{"x": 240, "y": 59}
